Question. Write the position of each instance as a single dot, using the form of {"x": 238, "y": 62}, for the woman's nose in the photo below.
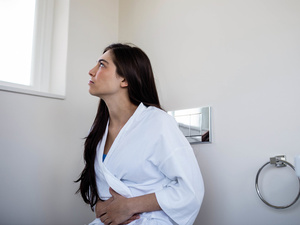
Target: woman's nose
{"x": 92, "y": 72}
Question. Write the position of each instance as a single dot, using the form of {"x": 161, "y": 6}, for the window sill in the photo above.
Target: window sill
{"x": 31, "y": 92}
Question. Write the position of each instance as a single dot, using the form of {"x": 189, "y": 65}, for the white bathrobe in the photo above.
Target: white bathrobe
{"x": 151, "y": 155}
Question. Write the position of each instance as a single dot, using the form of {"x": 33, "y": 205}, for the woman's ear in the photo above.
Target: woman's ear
{"x": 124, "y": 83}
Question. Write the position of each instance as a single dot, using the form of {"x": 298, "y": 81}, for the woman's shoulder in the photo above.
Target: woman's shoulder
{"x": 158, "y": 116}
{"x": 159, "y": 122}
{"x": 162, "y": 127}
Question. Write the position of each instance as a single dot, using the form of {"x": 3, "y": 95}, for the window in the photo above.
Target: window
{"x": 16, "y": 40}
{"x": 30, "y": 52}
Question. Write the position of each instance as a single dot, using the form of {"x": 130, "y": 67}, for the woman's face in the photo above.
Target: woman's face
{"x": 105, "y": 82}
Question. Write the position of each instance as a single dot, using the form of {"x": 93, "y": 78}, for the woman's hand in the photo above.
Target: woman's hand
{"x": 115, "y": 210}
{"x": 100, "y": 205}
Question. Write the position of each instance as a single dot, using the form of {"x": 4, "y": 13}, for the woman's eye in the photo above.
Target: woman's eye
{"x": 101, "y": 65}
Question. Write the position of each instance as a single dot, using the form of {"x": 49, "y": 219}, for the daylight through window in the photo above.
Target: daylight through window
{"x": 17, "y": 25}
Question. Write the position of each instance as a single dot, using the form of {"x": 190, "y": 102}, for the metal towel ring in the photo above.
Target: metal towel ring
{"x": 279, "y": 162}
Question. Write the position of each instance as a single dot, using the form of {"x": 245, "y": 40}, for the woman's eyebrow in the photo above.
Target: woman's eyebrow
{"x": 102, "y": 60}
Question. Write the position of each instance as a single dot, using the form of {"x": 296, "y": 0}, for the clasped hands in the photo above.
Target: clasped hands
{"x": 116, "y": 210}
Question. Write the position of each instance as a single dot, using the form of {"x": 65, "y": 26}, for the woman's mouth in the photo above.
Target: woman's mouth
{"x": 91, "y": 82}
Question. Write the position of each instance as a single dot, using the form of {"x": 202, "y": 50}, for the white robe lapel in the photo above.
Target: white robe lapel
{"x": 104, "y": 175}
{"x": 121, "y": 134}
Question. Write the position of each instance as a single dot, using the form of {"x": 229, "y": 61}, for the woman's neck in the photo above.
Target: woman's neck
{"x": 119, "y": 113}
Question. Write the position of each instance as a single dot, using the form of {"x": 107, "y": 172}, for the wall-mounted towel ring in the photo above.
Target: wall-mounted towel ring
{"x": 278, "y": 161}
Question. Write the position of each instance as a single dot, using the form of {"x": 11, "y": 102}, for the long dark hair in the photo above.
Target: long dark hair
{"x": 134, "y": 65}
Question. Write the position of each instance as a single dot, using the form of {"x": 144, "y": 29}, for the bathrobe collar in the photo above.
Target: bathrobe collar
{"x": 120, "y": 135}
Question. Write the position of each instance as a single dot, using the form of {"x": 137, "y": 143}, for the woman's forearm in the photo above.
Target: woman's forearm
{"x": 120, "y": 210}
{"x": 144, "y": 203}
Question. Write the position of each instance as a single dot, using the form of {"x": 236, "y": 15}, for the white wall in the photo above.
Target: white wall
{"x": 41, "y": 139}
{"x": 242, "y": 58}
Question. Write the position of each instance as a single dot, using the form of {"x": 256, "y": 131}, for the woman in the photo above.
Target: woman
{"x": 139, "y": 168}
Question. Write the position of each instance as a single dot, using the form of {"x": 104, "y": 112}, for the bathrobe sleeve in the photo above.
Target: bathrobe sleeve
{"x": 182, "y": 197}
